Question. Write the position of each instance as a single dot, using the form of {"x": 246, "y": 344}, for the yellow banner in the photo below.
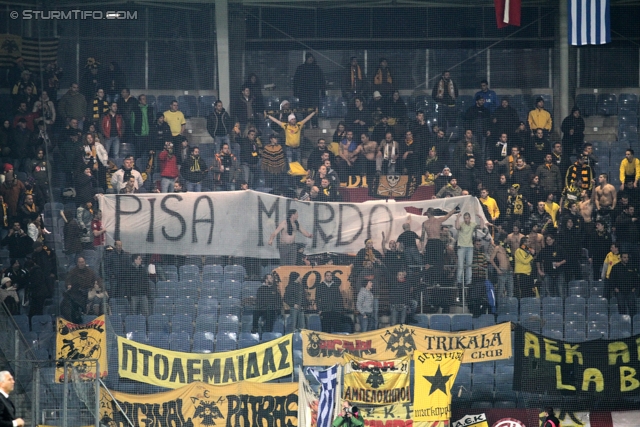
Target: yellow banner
{"x": 312, "y": 276}
{"x": 173, "y": 369}
{"x": 399, "y": 415}
{"x": 241, "y": 404}
{"x": 434, "y": 377}
{"x": 479, "y": 345}
{"x": 375, "y": 382}
{"x": 78, "y": 343}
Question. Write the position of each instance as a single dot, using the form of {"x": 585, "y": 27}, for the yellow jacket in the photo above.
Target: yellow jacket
{"x": 523, "y": 261}
{"x": 492, "y": 207}
{"x": 539, "y": 119}
{"x": 629, "y": 169}
{"x": 552, "y": 209}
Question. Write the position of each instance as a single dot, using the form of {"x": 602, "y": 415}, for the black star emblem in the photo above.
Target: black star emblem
{"x": 438, "y": 381}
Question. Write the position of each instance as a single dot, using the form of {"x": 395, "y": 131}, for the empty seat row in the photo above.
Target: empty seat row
{"x": 606, "y": 104}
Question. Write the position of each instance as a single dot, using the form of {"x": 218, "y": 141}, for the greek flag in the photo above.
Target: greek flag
{"x": 589, "y": 22}
{"x": 328, "y": 394}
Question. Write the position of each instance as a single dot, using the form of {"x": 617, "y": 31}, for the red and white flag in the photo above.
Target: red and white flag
{"x": 508, "y": 12}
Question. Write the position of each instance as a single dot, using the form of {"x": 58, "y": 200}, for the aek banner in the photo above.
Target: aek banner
{"x": 82, "y": 345}
{"x": 240, "y": 404}
{"x": 479, "y": 420}
{"x": 239, "y": 223}
{"x": 479, "y": 345}
{"x": 311, "y": 278}
{"x": 173, "y": 369}
{"x": 599, "y": 367}
{"x": 434, "y": 377}
{"x": 376, "y": 382}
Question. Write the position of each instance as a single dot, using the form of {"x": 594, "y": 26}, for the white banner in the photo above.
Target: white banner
{"x": 239, "y": 223}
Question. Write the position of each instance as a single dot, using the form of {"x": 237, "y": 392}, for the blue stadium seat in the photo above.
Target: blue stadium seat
{"x": 230, "y": 306}
{"x": 167, "y": 289}
{"x": 278, "y": 326}
{"x": 529, "y": 305}
{"x": 636, "y": 324}
{"x": 212, "y": 272}
{"x": 586, "y": 102}
{"x": 513, "y": 318}
{"x": 203, "y": 342}
{"x": 607, "y": 104}
{"x": 482, "y": 386}
{"x": 206, "y": 323}
{"x": 463, "y": 102}
{"x": 226, "y": 341}
{"x": 628, "y": 102}
{"x": 619, "y": 326}
{"x": 231, "y": 289}
{"x": 159, "y": 339}
{"x": 163, "y": 102}
{"x": 135, "y": 323}
{"x": 137, "y": 336}
{"x": 186, "y": 305}
{"x": 268, "y": 336}
{"x": 597, "y": 329}
{"x": 483, "y": 368}
{"x": 208, "y": 305}
{"x": 246, "y": 322}
{"x": 22, "y": 320}
{"x": 552, "y": 305}
{"x": 210, "y": 288}
{"x": 508, "y": 305}
{"x": 461, "y": 322}
{"x": 193, "y": 260}
{"x": 533, "y": 322}
{"x": 116, "y": 324}
{"x": 163, "y": 305}
{"x": 189, "y": 272}
{"x": 151, "y": 100}
{"x": 421, "y": 320}
{"x": 234, "y": 272}
{"x": 229, "y": 323}
{"x": 206, "y": 105}
{"x": 41, "y": 323}
{"x": 182, "y": 322}
{"x": 484, "y": 320}
{"x": 575, "y": 304}
{"x": 314, "y": 323}
{"x": 440, "y": 322}
{"x": 158, "y": 323}
{"x": 178, "y": 341}
{"x": 188, "y": 104}
{"x": 190, "y": 288}
{"x": 461, "y": 389}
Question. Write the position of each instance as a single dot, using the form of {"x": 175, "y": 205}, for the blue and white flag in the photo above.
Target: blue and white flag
{"x": 329, "y": 393}
{"x": 589, "y": 22}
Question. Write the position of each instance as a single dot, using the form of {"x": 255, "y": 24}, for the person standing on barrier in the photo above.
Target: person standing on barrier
{"x": 465, "y": 247}
{"x": 296, "y": 298}
{"x": 287, "y": 245}
{"x": 7, "y": 409}
{"x": 329, "y": 303}
{"x": 268, "y": 305}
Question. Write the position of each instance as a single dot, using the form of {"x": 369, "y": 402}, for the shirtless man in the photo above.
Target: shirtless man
{"x": 513, "y": 239}
{"x": 586, "y": 205}
{"x": 387, "y": 155}
{"x": 287, "y": 246}
{"x": 432, "y": 225}
{"x": 348, "y": 156}
{"x": 504, "y": 286}
{"x": 536, "y": 239}
{"x": 606, "y": 195}
{"x": 369, "y": 149}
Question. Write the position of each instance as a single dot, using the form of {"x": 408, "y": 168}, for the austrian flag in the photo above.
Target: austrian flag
{"x": 508, "y": 12}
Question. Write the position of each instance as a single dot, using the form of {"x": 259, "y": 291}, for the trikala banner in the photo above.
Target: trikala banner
{"x": 241, "y": 404}
{"x": 376, "y": 382}
{"x": 600, "y": 367}
{"x": 312, "y": 276}
{"x": 479, "y": 345}
{"x": 239, "y": 223}
{"x": 82, "y": 345}
{"x": 434, "y": 377}
{"x": 173, "y": 369}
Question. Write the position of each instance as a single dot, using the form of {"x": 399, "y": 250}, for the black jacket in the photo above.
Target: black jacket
{"x": 219, "y": 124}
{"x": 7, "y": 412}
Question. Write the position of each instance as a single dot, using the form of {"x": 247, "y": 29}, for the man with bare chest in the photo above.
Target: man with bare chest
{"x": 606, "y": 195}
{"x": 432, "y": 225}
{"x": 369, "y": 150}
{"x": 513, "y": 239}
{"x": 586, "y": 206}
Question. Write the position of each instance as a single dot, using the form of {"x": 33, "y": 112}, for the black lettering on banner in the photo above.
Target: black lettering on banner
{"x": 284, "y": 353}
{"x": 229, "y": 371}
{"x": 273, "y": 411}
{"x": 120, "y": 212}
{"x": 183, "y": 223}
{"x": 253, "y": 370}
{"x": 351, "y": 224}
{"x": 193, "y": 371}
{"x": 317, "y": 223}
{"x": 371, "y": 223}
{"x": 177, "y": 371}
{"x": 269, "y": 212}
{"x": 152, "y": 219}
{"x": 317, "y": 279}
{"x": 161, "y": 361}
{"x": 241, "y": 367}
{"x": 126, "y": 350}
{"x": 146, "y": 354}
{"x": 211, "y": 371}
{"x": 210, "y": 221}
{"x": 268, "y": 364}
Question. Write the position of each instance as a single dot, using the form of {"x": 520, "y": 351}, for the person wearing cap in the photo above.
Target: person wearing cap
{"x": 293, "y": 134}
{"x": 445, "y": 93}
{"x": 572, "y": 131}
{"x": 9, "y": 295}
{"x": 378, "y": 106}
{"x": 309, "y": 85}
{"x": 489, "y": 96}
{"x": 539, "y": 118}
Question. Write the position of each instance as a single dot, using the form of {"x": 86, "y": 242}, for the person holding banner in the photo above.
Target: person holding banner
{"x": 287, "y": 245}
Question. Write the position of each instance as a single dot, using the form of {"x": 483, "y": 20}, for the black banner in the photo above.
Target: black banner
{"x": 599, "y": 367}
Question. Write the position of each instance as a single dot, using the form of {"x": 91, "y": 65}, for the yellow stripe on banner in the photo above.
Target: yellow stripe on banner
{"x": 479, "y": 345}
{"x": 173, "y": 369}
